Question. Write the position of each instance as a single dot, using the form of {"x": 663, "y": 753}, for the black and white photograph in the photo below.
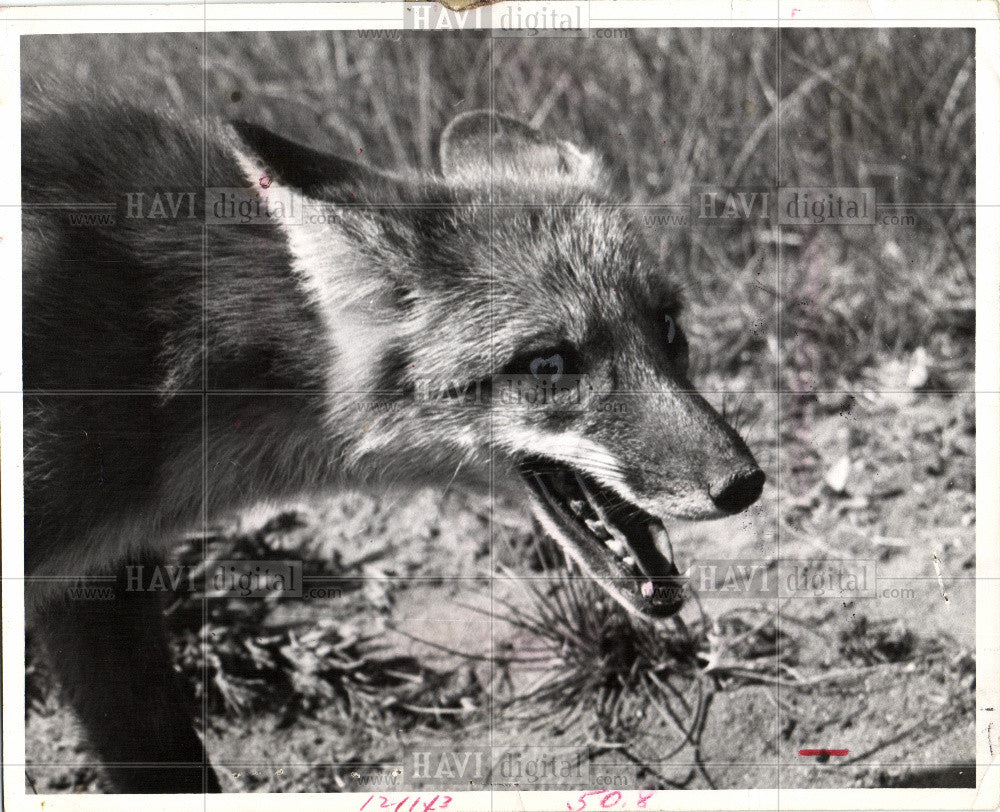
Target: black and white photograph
{"x": 496, "y": 401}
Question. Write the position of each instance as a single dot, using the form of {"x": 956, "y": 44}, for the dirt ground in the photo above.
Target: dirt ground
{"x": 902, "y": 705}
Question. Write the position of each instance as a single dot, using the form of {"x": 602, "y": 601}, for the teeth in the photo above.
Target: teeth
{"x": 662, "y": 540}
{"x": 618, "y": 543}
{"x": 596, "y": 527}
{"x": 616, "y": 546}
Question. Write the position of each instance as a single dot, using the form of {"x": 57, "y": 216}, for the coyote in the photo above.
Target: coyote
{"x": 177, "y": 368}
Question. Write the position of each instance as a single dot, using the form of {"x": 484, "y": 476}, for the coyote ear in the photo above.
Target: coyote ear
{"x": 315, "y": 174}
{"x": 480, "y": 142}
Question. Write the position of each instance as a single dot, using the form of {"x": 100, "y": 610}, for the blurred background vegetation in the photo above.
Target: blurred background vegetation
{"x": 807, "y": 308}
{"x": 884, "y": 312}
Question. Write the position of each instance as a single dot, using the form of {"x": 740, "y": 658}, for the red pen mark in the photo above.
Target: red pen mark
{"x": 238, "y": 422}
{"x": 823, "y": 753}
{"x": 794, "y": 10}
{"x": 265, "y": 181}
{"x": 361, "y": 150}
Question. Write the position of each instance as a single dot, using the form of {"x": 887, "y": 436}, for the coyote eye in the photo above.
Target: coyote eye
{"x": 675, "y": 343}
{"x": 546, "y": 364}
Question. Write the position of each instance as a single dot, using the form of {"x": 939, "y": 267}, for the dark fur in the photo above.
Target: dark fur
{"x": 156, "y": 352}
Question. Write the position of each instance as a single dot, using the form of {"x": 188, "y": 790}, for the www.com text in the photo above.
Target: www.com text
{"x": 91, "y": 218}
{"x": 668, "y": 220}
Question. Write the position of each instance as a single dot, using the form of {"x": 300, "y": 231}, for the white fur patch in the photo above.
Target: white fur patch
{"x": 574, "y": 450}
{"x": 350, "y": 307}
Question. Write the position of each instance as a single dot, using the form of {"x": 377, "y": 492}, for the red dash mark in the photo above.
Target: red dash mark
{"x": 361, "y": 150}
{"x": 823, "y": 752}
{"x": 265, "y": 181}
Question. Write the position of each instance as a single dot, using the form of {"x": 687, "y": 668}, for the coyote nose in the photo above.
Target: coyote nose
{"x": 737, "y": 492}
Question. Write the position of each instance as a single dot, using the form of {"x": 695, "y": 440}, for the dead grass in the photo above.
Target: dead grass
{"x": 666, "y": 110}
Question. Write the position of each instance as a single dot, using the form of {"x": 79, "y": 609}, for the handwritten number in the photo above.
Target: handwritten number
{"x": 582, "y": 799}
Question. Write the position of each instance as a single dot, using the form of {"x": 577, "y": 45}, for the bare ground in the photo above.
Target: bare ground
{"x": 889, "y": 678}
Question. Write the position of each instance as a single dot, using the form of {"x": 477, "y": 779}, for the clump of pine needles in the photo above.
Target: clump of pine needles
{"x": 600, "y": 674}
{"x": 240, "y": 661}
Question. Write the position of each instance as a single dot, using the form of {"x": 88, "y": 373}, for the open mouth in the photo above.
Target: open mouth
{"x": 614, "y": 541}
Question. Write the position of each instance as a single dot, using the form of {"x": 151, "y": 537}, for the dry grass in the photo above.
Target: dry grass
{"x": 666, "y": 110}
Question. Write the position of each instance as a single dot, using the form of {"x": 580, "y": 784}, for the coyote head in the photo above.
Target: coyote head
{"x": 507, "y": 317}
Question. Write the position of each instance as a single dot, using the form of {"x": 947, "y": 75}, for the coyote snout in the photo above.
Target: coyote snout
{"x": 606, "y": 494}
